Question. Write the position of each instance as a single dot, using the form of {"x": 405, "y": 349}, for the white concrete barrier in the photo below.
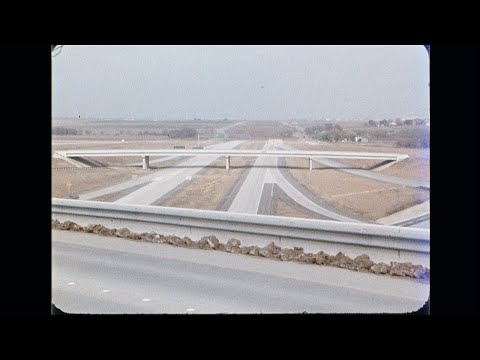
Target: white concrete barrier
{"x": 226, "y": 152}
{"x": 380, "y": 242}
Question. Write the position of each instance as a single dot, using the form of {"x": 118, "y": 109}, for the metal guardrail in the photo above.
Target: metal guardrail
{"x": 255, "y": 153}
{"x": 370, "y": 235}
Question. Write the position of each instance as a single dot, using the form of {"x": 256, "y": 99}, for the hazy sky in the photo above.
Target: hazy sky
{"x": 236, "y": 82}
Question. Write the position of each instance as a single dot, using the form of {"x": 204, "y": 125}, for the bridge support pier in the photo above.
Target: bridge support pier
{"x": 310, "y": 163}
{"x": 227, "y": 162}
{"x": 146, "y": 162}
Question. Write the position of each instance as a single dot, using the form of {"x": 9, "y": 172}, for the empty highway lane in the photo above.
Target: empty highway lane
{"x": 95, "y": 274}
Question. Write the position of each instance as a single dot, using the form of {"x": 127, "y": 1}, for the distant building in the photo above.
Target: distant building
{"x": 393, "y": 123}
{"x": 361, "y": 139}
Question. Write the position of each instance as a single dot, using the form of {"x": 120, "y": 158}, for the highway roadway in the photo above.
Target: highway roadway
{"x": 248, "y": 197}
{"x": 95, "y": 274}
{"x": 265, "y": 171}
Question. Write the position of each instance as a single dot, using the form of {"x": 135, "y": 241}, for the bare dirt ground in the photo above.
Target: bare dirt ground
{"x": 71, "y": 182}
{"x": 416, "y": 167}
{"x": 363, "y": 197}
{"x": 284, "y": 209}
{"x": 208, "y": 189}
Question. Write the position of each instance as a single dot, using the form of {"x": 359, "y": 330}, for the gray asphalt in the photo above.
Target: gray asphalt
{"x": 94, "y": 274}
{"x": 248, "y": 197}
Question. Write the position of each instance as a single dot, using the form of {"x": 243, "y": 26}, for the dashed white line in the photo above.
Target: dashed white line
{"x": 106, "y": 290}
{"x": 71, "y": 283}
{"x": 146, "y": 300}
{"x": 190, "y": 309}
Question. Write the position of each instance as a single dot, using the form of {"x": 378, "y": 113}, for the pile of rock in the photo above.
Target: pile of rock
{"x": 360, "y": 263}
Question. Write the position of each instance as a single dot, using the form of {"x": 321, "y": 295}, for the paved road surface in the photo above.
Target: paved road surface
{"x": 94, "y": 274}
{"x": 248, "y": 197}
{"x": 265, "y": 171}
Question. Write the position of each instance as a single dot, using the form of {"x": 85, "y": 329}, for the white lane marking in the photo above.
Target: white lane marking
{"x": 71, "y": 283}
{"x": 145, "y": 300}
{"x": 106, "y": 290}
{"x": 190, "y": 309}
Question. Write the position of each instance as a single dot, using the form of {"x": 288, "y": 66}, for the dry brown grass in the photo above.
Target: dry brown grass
{"x": 411, "y": 168}
{"x": 134, "y": 144}
{"x": 284, "y": 209}
{"x": 207, "y": 190}
{"x": 326, "y": 146}
{"x": 363, "y": 197}
{"x": 85, "y": 180}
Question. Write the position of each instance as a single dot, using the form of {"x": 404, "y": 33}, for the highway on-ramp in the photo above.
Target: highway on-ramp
{"x": 95, "y": 274}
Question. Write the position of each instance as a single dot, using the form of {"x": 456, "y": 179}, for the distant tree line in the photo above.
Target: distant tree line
{"x": 286, "y": 133}
{"x": 398, "y": 122}
{"x": 413, "y": 138}
{"x": 181, "y": 133}
{"x": 329, "y": 132}
{"x": 65, "y": 131}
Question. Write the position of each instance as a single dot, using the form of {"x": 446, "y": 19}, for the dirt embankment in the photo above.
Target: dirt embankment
{"x": 360, "y": 263}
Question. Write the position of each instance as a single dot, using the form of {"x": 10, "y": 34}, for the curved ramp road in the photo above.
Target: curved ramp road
{"x": 95, "y": 274}
{"x": 265, "y": 171}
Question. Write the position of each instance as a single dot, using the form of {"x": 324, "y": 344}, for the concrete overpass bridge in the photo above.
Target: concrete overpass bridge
{"x": 310, "y": 155}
